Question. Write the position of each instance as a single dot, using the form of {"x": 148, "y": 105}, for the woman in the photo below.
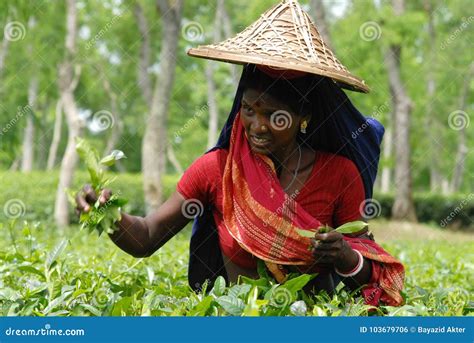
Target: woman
{"x": 279, "y": 166}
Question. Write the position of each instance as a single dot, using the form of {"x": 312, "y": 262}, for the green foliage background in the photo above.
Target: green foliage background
{"x": 117, "y": 51}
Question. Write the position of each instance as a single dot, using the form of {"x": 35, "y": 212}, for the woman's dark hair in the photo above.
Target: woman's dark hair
{"x": 298, "y": 93}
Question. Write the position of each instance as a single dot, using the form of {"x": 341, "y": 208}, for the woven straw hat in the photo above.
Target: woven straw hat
{"x": 284, "y": 37}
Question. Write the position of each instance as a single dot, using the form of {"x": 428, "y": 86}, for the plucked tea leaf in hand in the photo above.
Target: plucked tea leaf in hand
{"x": 306, "y": 233}
{"x": 352, "y": 227}
{"x": 101, "y": 217}
{"x": 90, "y": 157}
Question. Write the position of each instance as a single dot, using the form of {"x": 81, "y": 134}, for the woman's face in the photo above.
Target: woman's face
{"x": 270, "y": 125}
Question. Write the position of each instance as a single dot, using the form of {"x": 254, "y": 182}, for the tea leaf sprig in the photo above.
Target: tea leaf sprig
{"x": 101, "y": 217}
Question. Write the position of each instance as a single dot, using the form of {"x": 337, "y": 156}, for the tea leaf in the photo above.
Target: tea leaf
{"x": 101, "y": 217}
{"x": 352, "y": 227}
{"x": 114, "y": 156}
{"x": 239, "y": 290}
{"x": 219, "y": 286}
{"x": 296, "y": 284}
{"x": 299, "y": 308}
{"x": 306, "y": 233}
{"x": 233, "y": 306}
{"x": 58, "y": 249}
{"x": 202, "y": 308}
{"x": 349, "y": 227}
{"x": 262, "y": 269}
{"x": 91, "y": 158}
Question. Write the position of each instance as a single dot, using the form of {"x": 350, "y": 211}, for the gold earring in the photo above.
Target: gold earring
{"x": 303, "y": 126}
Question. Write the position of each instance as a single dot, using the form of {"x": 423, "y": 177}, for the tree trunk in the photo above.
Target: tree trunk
{"x": 117, "y": 130}
{"x": 174, "y": 160}
{"x": 42, "y": 142}
{"x": 462, "y": 149}
{"x": 226, "y": 25}
{"x": 212, "y": 102}
{"x": 29, "y": 132}
{"x": 144, "y": 59}
{"x": 67, "y": 83}
{"x": 319, "y": 17}
{"x": 435, "y": 176}
{"x": 53, "y": 149}
{"x": 403, "y": 207}
{"x": 211, "y": 84}
{"x": 3, "y": 53}
{"x": 155, "y": 138}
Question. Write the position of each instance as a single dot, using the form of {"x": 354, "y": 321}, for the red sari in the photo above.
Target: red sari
{"x": 263, "y": 219}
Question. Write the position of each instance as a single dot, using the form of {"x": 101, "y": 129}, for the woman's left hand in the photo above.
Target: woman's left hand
{"x": 331, "y": 248}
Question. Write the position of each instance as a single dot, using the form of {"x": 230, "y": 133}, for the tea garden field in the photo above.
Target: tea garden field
{"x": 43, "y": 273}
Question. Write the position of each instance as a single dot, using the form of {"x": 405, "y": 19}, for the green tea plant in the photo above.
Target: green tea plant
{"x": 101, "y": 217}
{"x": 46, "y": 273}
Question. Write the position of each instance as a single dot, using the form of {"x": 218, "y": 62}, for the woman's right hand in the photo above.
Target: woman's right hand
{"x": 87, "y": 197}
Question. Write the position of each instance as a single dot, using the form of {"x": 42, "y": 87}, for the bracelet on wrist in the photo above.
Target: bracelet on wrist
{"x": 356, "y": 269}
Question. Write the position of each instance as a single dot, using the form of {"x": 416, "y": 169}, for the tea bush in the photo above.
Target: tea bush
{"x": 45, "y": 273}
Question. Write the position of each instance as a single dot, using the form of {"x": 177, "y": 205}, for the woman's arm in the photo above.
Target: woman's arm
{"x": 138, "y": 236}
{"x": 141, "y": 237}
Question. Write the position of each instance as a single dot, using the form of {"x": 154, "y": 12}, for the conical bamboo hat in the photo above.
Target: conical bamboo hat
{"x": 283, "y": 37}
